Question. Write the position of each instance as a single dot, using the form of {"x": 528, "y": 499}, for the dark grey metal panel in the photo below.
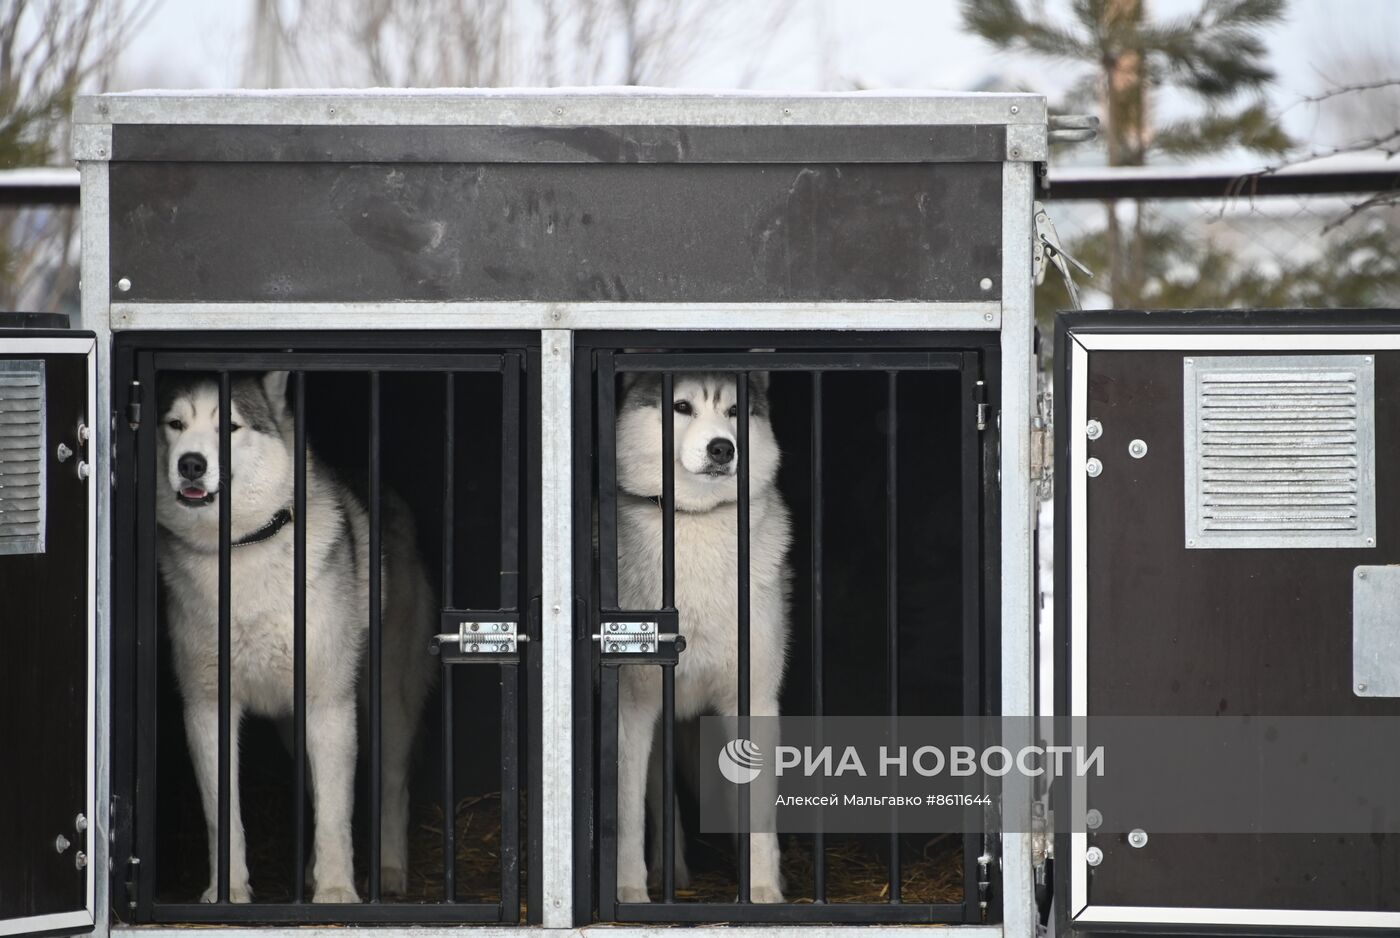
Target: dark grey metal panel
{"x": 617, "y": 144}
{"x": 308, "y": 232}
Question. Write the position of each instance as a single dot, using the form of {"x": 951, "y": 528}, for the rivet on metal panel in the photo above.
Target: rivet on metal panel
{"x": 1137, "y": 449}
{"x": 80, "y": 823}
{"x": 1015, "y": 109}
{"x": 1093, "y": 819}
{"x": 1015, "y": 153}
{"x": 1190, "y": 361}
{"x": 1093, "y": 856}
{"x": 1370, "y": 542}
{"x": 987, "y": 316}
{"x": 986, "y": 283}
{"x": 80, "y": 860}
{"x": 124, "y": 285}
{"x": 84, "y": 470}
{"x": 331, "y": 111}
{"x": 63, "y": 453}
{"x": 1361, "y": 688}
{"x": 1361, "y": 574}
{"x": 1093, "y": 429}
{"x": 60, "y": 843}
{"x": 1190, "y": 542}
{"x": 1093, "y": 467}
{"x": 1137, "y": 838}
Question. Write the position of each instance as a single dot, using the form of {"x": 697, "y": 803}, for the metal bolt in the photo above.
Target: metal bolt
{"x": 1093, "y": 429}
{"x": 475, "y": 627}
{"x": 476, "y": 647}
{"x": 80, "y": 860}
{"x": 787, "y": 112}
{"x": 556, "y": 608}
{"x": 60, "y": 843}
{"x": 1137, "y": 837}
{"x": 1361, "y": 688}
{"x": 612, "y": 626}
{"x": 1190, "y": 542}
{"x": 1015, "y": 153}
{"x": 556, "y": 315}
{"x": 1094, "y": 819}
{"x": 1137, "y": 449}
{"x": 1190, "y": 361}
{"x": 987, "y": 317}
{"x": 1093, "y": 467}
{"x": 101, "y": 151}
{"x": 83, "y": 434}
{"x": 1370, "y": 542}
{"x": 614, "y": 647}
{"x": 985, "y": 283}
{"x": 80, "y": 823}
{"x": 124, "y": 285}
{"x": 84, "y": 470}
{"x": 1361, "y": 574}
{"x": 646, "y": 626}
{"x": 1093, "y": 856}
{"x": 331, "y": 110}
{"x": 63, "y": 453}
{"x": 558, "y": 111}
{"x": 646, "y": 647}
{"x": 1015, "y": 109}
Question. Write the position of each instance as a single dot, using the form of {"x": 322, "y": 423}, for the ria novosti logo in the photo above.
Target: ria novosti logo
{"x": 740, "y": 761}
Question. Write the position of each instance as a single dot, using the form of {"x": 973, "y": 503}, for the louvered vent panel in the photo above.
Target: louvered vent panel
{"x": 1280, "y": 451}
{"x": 21, "y": 457}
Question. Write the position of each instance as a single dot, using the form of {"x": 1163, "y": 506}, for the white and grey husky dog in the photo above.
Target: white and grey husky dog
{"x": 261, "y": 669}
{"x": 705, "y": 413}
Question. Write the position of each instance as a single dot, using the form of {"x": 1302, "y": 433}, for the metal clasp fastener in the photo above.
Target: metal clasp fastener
{"x": 635, "y": 638}
{"x": 483, "y": 638}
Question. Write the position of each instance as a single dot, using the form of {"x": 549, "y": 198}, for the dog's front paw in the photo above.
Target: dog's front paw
{"x": 632, "y": 894}
{"x": 237, "y": 892}
{"x": 344, "y": 893}
{"x": 766, "y": 894}
{"x": 393, "y": 881}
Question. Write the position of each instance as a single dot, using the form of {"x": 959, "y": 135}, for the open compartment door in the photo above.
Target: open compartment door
{"x": 1223, "y": 478}
{"x": 47, "y": 554}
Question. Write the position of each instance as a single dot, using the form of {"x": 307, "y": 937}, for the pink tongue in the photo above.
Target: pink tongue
{"x": 192, "y": 492}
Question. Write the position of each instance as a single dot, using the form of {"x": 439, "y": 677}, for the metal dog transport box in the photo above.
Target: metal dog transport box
{"x": 462, "y": 286}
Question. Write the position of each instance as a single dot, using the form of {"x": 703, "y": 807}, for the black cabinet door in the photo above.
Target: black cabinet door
{"x": 47, "y": 528}
{"x": 1222, "y": 478}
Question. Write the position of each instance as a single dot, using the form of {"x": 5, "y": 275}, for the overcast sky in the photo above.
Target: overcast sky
{"x": 838, "y": 44}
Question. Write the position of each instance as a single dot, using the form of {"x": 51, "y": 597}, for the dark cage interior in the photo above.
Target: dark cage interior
{"x": 455, "y": 434}
{"x": 850, "y": 651}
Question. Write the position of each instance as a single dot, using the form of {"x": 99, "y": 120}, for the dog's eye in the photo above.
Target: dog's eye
{"x": 176, "y": 424}
{"x": 734, "y": 410}
{"x": 682, "y": 407}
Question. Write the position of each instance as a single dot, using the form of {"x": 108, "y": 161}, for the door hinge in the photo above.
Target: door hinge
{"x": 133, "y": 406}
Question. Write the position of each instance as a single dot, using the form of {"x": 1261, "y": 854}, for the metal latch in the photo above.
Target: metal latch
{"x": 635, "y": 638}
{"x": 1047, "y": 250}
{"x": 479, "y": 637}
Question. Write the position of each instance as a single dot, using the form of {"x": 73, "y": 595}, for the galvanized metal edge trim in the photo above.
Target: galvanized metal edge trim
{"x": 1261, "y": 340}
{"x": 94, "y": 316}
{"x": 1146, "y": 915}
{"x": 611, "y": 931}
{"x": 1079, "y": 604}
{"x": 1027, "y": 143}
{"x": 1018, "y": 369}
{"x": 556, "y": 632}
{"x": 979, "y": 316}
{"x": 554, "y": 108}
{"x": 56, "y": 921}
{"x": 92, "y": 142}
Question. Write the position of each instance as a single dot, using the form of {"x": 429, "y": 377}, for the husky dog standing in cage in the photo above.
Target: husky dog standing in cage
{"x": 262, "y": 570}
{"x": 705, "y": 411}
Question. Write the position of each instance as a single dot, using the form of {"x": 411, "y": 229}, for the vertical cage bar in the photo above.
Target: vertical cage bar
{"x": 299, "y": 644}
{"x": 376, "y": 651}
{"x": 449, "y": 476}
{"x": 608, "y": 680}
{"x": 225, "y": 628}
{"x": 449, "y": 601}
{"x": 607, "y": 482}
{"x": 510, "y": 793}
{"x": 971, "y": 466}
{"x": 892, "y": 593}
{"x": 510, "y": 482}
{"x": 668, "y": 672}
{"x": 147, "y": 659}
{"x": 449, "y": 790}
{"x": 742, "y": 556}
{"x": 818, "y": 689}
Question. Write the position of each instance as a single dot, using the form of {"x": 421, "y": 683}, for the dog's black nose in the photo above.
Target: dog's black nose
{"x": 720, "y": 450}
{"x": 192, "y": 466}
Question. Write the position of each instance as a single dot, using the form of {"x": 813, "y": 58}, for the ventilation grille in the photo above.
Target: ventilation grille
{"x": 1280, "y": 451}
{"x": 21, "y": 457}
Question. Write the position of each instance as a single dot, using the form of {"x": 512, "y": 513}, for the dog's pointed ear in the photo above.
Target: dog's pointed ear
{"x": 275, "y": 387}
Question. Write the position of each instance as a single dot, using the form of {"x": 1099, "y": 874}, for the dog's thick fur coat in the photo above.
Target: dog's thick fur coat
{"x": 261, "y": 668}
{"x": 706, "y": 495}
